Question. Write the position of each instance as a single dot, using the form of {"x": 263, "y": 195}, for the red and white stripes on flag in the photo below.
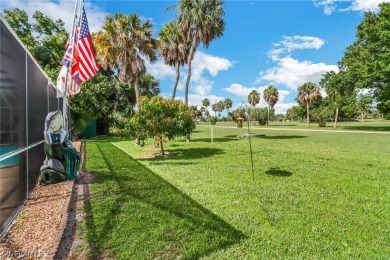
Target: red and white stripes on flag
{"x": 88, "y": 66}
{"x": 79, "y": 59}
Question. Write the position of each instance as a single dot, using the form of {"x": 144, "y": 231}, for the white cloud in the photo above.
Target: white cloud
{"x": 242, "y": 91}
{"x": 292, "y": 73}
{"x": 292, "y": 43}
{"x": 159, "y": 69}
{"x": 95, "y": 15}
{"x": 206, "y": 62}
{"x": 202, "y": 62}
{"x": 365, "y": 5}
{"x": 281, "y": 108}
{"x": 331, "y": 6}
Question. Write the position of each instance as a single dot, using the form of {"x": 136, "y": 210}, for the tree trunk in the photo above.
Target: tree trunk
{"x": 268, "y": 115}
{"x": 190, "y": 57}
{"x": 177, "y": 66}
{"x": 336, "y": 117}
{"x": 307, "y": 115}
{"x": 362, "y": 115}
{"x": 137, "y": 92}
{"x": 137, "y": 97}
{"x": 162, "y": 147}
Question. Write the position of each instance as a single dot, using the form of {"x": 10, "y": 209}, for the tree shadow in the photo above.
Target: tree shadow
{"x": 133, "y": 208}
{"x": 278, "y": 172}
{"x": 224, "y": 139}
{"x": 381, "y": 128}
{"x": 185, "y": 154}
{"x": 281, "y": 137}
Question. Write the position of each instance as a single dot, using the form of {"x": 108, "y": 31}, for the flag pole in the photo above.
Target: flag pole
{"x": 65, "y": 98}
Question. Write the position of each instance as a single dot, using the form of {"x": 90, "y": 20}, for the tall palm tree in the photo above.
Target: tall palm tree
{"x": 201, "y": 21}
{"x": 125, "y": 39}
{"x": 173, "y": 48}
{"x": 254, "y": 98}
{"x": 214, "y": 107}
{"x": 205, "y": 103}
{"x": 307, "y": 93}
{"x": 271, "y": 96}
{"x": 228, "y": 103}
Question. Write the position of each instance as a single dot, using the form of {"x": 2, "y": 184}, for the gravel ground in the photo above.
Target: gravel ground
{"x": 46, "y": 226}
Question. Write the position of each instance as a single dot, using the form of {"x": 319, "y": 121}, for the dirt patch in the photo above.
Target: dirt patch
{"x": 157, "y": 155}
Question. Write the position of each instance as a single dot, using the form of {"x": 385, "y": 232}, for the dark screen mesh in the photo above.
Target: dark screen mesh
{"x": 19, "y": 173}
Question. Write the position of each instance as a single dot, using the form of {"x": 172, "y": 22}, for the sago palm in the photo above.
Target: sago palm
{"x": 271, "y": 96}
{"x": 201, "y": 21}
{"x": 174, "y": 48}
{"x": 307, "y": 93}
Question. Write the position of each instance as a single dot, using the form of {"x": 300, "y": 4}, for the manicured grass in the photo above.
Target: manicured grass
{"x": 315, "y": 195}
{"x": 366, "y": 125}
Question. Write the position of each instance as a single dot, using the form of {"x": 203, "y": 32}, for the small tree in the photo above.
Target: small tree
{"x": 161, "y": 117}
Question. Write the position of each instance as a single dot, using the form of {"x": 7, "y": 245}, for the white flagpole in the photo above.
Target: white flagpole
{"x": 65, "y": 98}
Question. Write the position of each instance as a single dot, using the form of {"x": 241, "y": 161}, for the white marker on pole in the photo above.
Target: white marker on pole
{"x": 212, "y": 130}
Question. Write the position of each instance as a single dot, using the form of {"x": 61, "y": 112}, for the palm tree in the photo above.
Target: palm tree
{"x": 173, "y": 48}
{"x": 228, "y": 103}
{"x": 271, "y": 96}
{"x": 214, "y": 108}
{"x": 254, "y": 98}
{"x": 205, "y": 103}
{"x": 307, "y": 93}
{"x": 125, "y": 39}
{"x": 201, "y": 21}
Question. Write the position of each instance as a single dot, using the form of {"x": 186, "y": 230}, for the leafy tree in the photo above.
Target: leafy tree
{"x": 340, "y": 89}
{"x": 364, "y": 104}
{"x": 173, "y": 48}
{"x": 271, "y": 96}
{"x": 123, "y": 43}
{"x": 254, "y": 98}
{"x": 149, "y": 86}
{"x": 201, "y": 21}
{"x": 161, "y": 117}
{"x": 45, "y": 39}
{"x": 96, "y": 100}
{"x": 239, "y": 112}
{"x": 295, "y": 112}
{"x": 261, "y": 114}
{"x": 368, "y": 57}
{"x": 307, "y": 94}
{"x": 322, "y": 114}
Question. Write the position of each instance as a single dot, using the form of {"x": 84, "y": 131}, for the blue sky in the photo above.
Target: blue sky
{"x": 281, "y": 43}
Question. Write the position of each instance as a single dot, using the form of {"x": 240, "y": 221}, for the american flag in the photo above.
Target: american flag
{"x": 80, "y": 57}
{"x": 88, "y": 66}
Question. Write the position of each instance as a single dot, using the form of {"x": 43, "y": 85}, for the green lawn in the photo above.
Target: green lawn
{"x": 315, "y": 195}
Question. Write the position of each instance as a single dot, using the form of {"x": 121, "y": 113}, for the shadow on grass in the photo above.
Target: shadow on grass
{"x": 278, "y": 172}
{"x": 224, "y": 139}
{"x": 283, "y": 137}
{"x": 185, "y": 154}
{"x": 134, "y": 213}
{"x": 368, "y": 128}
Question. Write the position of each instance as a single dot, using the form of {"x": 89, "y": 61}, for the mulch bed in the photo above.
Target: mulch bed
{"x": 38, "y": 230}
